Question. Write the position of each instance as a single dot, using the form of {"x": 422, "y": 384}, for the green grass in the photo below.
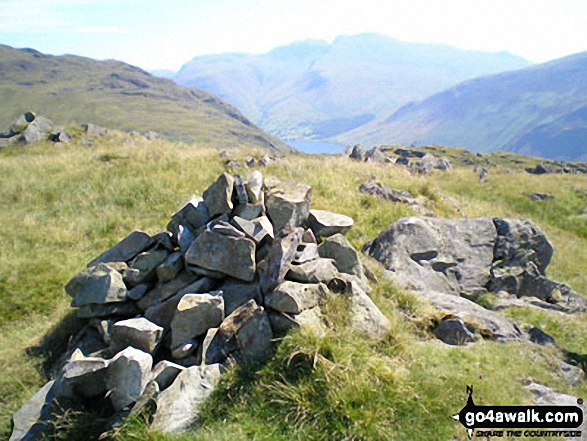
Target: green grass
{"x": 63, "y": 205}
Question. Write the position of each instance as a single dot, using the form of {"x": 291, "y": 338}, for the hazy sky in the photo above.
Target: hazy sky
{"x": 167, "y": 33}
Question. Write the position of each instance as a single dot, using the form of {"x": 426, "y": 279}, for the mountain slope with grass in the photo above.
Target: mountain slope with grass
{"x": 64, "y": 205}
{"x": 315, "y": 90}
{"x": 538, "y": 111}
{"x": 120, "y": 96}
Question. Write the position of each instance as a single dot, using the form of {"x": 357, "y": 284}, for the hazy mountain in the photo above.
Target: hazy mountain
{"x": 540, "y": 110}
{"x": 313, "y": 89}
{"x": 120, "y": 96}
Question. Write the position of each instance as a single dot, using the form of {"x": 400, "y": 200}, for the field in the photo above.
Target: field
{"x": 63, "y": 205}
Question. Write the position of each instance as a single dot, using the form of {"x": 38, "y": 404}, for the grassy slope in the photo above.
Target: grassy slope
{"x": 61, "y": 206}
{"x": 116, "y": 95}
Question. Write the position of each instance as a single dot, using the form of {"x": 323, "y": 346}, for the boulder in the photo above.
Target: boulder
{"x": 137, "y": 332}
{"x": 233, "y": 256}
{"x": 540, "y": 337}
{"x": 218, "y": 196}
{"x": 325, "y": 223}
{"x": 346, "y": 259}
{"x": 366, "y": 316}
{"x": 30, "y": 422}
{"x": 86, "y": 376}
{"x": 127, "y": 376}
{"x": 193, "y": 213}
{"x": 195, "y": 314}
{"x": 384, "y": 192}
{"x": 288, "y": 203}
{"x": 293, "y": 298}
{"x": 453, "y": 331}
{"x": 254, "y": 187}
{"x": 163, "y": 291}
{"x": 20, "y": 123}
{"x": 357, "y": 153}
{"x": 178, "y": 407}
{"x": 125, "y": 250}
{"x": 236, "y": 293}
{"x": 97, "y": 284}
{"x": 36, "y": 131}
{"x": 258, "y": 229}
{"x": 314, "y": 271}
{"x": 94, "y": 130}
{"x": 375, "y": 155}
{"x": 144, "y": 266}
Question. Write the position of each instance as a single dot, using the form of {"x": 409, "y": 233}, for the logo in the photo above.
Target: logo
{"x": 510, "y": 419}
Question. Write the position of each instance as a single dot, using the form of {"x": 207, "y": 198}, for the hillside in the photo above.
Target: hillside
{"x": 315, "y": 90}
{"x": 539, "y": 111}
{"x": 68, "y": 204}
{"x": 70, "y": 89}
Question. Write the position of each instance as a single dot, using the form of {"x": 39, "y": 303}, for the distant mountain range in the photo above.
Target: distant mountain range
{"x": 540, "y": 111}
{"x": 70, "y": 89}
{"x": 316, "y": 90}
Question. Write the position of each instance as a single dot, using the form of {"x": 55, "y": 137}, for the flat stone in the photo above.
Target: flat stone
{"x": 314, "y": 271}
{"x": 144, "y": 266}
{"x": 346, "y": 259}
{"x": 127, "y": 376}
{"x": 184, "y": 350}
{"x": 233, "y": 256}
{"x": 325, "y": 223}
{"x": 288, "y": 203}
{"x": 125, "y": 250}
{"x": 218, "y": 196}
{"x": 185, "y": 238}
{"x": 277, "y": 263}
{"x": 137, "y": 292}
{"x": 163, "y": 291}
{"x": 193, "y": 213}
{"x": 195, "y": 314}
{"x": 257, "y": 229}
{"x": 178, "y": 407}
{"x": 86, "y": 376}
{"x": 293, "y": 298}
{"x": 97, "y": 284}
{"x": 236, "y": 293}
{"x": 170, "y": 267}
{"x": 137, "y": 332}
{"x": 249, "y": 211}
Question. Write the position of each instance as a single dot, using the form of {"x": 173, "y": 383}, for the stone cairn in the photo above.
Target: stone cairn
{"x": 168, "y": 314}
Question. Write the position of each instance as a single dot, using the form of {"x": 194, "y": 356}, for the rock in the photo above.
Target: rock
{"x": 144, "y": 266}
{"x": 185, "y": 238}
{"x": 307, "y": 249}
{"x": 346, "y": 259}
{"x": 30, "y": 422}
{"x": 118, "y": 309}
{"x": 430, "y": 162}
{"x": 215, "y": 348}
{"x": 195, "y": 314}
{"x": 233, "y": 256}
{"x": 163, "y": 291}
{"x": 125, "y": 250}
{"x": 293, "y": 298}
{"x": 97, "y": 284}
{"x": 257, "y": 229}
{"x": 288, "y": 203}
{"x": 86, "y": 376}
{"x": 384, "y": 192}
{"x": 61, "y": 136}
{"x": 540, "y": 196}
{"x": 218, "y": 196}
{"x": 254, "y": 187}
{"x": 365, "y": 315}
{"x": 94, "y": 130}
{"x": 184, "y": 350}
{"x": 137, "y": 292}
{"x": 236, "y": 293}
{"x": 20, "y": 123}
{"x": 313, "y": 320}
{"x": 375, "y": 155}
{"x": 325, "y": 223}
{"x": 249, "y": 211}
{"x": 277, "y": 263}
{"x": 540, "y": 169}
{"x": 357, "y": 153}
{"x": 571, "y": 374}
{"x": 165, "y": 373}
{"x": 193, "y": 214}
{"x": 127, "y": 376}
{"x": 138, "y": 332}
{"x": 170, "y": 267}
{"x": 314, "y": 271}
{"x": 36, "y": 131}
{"x": 540, "y": 337}
{"x": 178, "y": 407}
{"x": 402, "y": 160}
{"x": 454, "y": 332}
{"x": 409, "y": 153}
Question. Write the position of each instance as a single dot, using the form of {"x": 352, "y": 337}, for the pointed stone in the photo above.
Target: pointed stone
{"x": 194, "y": 213}
{"x": 218, "y": 196}
{"x": 254, "y": 187}
{"x": 277, "y": 263}
{"x": 127, "y": 376}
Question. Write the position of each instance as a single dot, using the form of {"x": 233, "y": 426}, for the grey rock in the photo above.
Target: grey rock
{"x": 30, "y": 422}
{"x": 240, "y": 191}
{"x": 383, "y": 192}
{"x": 346, "y": 259}
{"x": 118, "y": 309}
{"x": 233, "y": 256}
{"x": 249, "y": 211}
{"x": 571, "y": 374}
{"x": 126, "y": 249}
{"x": 410, "y": 153}
{"x": 60, "y": 135}
{"x": 137, "y": 292}
{"x": 236, "y": 293}
{"x": 94, "y": 130}
{"x": 178, "y": 407}
{"x": 164, "y": 240}
{"x": 224, "y": 228}
{"x": 184, "y": 350}
{"x": 314, "y": 271}
{"x": 184, "y": 238}
{"x": 276, "y": 264}
{"x": 454, "y": 332}
{"x": 357, "y": 153}
{"x": 36, "y": 131}
{"x": 144, "y": 266}
{"x": 254, "y": 336}
{"x": 137, "y": 332}
{"x": 375, "y": 155}
{"x": 127, "y": 376}
{"x": 97, "y": 284}
{"x": 325, "y": 223}
{"x": 254, "y": 187}
{"x": 365, "y": 316}
{"x": 195, "y": 314}
{"x": 293, "y": 298}
{"x": 430, "y": 162}
{"x": 259, "y": 229}
{"x": 165, "y": 372}
{"x": 216, "y": 348}
{"x": 20, "y": 123}
{"x": 540, "y": 337}
{"x": 163, "y": 291}
{"x": 288, "y": 203}
{"x": 218, "y": 196}
{"x": 170, "y": 267}
{"x": 86, "y": 376}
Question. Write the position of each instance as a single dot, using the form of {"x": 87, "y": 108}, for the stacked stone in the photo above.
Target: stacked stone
{"x": 247, "y": 261}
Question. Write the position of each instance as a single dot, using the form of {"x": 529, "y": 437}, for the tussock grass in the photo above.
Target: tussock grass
{"x": 63, "y": 205}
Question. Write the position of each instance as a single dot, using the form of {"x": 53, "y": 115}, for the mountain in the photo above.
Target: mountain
{"x": 316, "y": 90}
{"x": 540, "y": 110}
{"x": 119, "y": 96}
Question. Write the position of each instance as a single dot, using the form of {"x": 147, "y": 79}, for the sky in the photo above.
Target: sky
{"x": 165, "y": 34}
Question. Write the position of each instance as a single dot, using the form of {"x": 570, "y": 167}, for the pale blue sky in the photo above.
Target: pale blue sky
{"x": 157, "y": 34}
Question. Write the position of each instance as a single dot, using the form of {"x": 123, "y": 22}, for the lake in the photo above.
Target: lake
{"x": 317, "y": 147}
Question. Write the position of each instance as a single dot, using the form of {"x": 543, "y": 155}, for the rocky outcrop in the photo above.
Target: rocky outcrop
{"x": 172, "y": 311}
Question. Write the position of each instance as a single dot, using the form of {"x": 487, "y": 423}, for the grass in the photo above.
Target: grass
{"x": 63, "y": 205}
